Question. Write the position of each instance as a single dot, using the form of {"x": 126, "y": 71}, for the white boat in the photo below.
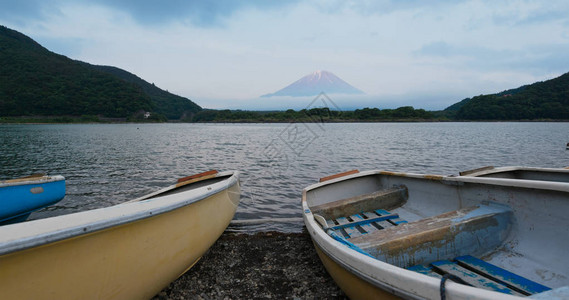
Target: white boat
{"x": 384, "y": 234}
{"x": 128, "y": 251}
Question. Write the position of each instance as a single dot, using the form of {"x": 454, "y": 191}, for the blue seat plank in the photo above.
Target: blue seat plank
{"x": 383, "y": 224}
{"x": 330, "y": 223}
{"x": 426, "y": 270}
{"x": 367, "y": 227}
{"x": 382, "y": 212}
{"x": 346, "y": 223}
{"x": 381, "y": 218}
{"x": 472, "y": 278}
{"x": 394, "y": 221}
{"x": 498, "y": 274}
{"x": 348, "y": 227}
{"x": 397, "y": 221}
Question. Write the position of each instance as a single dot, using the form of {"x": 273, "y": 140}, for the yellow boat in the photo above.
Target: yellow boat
{"x": 128, "y": 251}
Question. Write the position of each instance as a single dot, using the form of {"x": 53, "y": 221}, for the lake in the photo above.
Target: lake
{"x": 106, "y": 164}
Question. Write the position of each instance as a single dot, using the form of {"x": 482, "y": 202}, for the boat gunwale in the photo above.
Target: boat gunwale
{"x": 31, "y": 181}
{"x": 497, "y": 170}
{"x": 39, "y": 232}
{"x": 522, "y": 183}
{"x": 367, "y": 268}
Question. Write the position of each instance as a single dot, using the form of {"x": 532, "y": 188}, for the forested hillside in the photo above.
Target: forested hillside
{"x": 35, "y": 81}
{"x": 541, "y": 100}
{"x": 168, "y": 104}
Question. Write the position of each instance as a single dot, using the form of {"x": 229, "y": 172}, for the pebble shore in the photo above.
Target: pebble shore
{"x": 259, "y": 266}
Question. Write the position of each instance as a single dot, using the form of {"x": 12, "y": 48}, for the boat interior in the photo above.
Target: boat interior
{"x": 437, "y": 228}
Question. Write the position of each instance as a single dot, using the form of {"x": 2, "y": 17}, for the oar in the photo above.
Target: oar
{"x": 25, "y": 178}
{"x": 33, "y": 175}
{"x": 339, "y": 175}
{"x": 211, "y": 172}
{"x": 181, "y": 182}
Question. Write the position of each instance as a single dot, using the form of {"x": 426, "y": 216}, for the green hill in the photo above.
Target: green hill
{"x": 37, "y": 82}
{"x": 541, "y": 100}
{"x": 168, "y": 104}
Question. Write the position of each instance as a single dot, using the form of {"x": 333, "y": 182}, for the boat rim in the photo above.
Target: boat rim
{"x": 20, "y": 236}
{"x": 29, "y": 181}
{"x": 522, "y": 183}
{"x": 493, "y": 170}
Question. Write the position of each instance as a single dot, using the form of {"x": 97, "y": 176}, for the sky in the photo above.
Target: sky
{"x": 226, "y": 54}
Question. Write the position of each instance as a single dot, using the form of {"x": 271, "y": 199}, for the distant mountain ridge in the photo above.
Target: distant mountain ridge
{"x": 541, "y": 100}
{"x": 316, "y": 83}
{"x": 36, "y": 81}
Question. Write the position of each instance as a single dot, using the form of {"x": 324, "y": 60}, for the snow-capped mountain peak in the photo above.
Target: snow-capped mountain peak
{"x": 316, "y": 83}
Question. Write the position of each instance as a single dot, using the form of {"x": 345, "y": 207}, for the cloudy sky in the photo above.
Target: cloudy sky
{"x": 225, "y": 54}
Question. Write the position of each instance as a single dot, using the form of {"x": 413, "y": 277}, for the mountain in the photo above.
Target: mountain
{"x": 316, "y": 83}
{"x": 36, "y": 81}
{"x": 541, "y": 100}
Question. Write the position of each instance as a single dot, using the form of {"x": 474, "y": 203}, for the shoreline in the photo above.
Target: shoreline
{"x": 297, "y": 121}
{"x": 262, "y": 265}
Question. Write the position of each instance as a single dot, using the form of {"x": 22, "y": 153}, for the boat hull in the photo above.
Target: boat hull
{"x": 19, "y": 197}
{"x": 352, "y": 285}
{"x": 133, "y": 260}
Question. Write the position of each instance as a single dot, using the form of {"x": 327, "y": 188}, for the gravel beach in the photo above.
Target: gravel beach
{"x": 259, "y": 266}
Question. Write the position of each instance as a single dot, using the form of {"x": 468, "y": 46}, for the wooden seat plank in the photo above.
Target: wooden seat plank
{"x": 382, "y": 224}
{"x": 342, "y": 221}
{"x": 365, "y": 221}
{"x": 471, "y": 278}
{"x": 382, "y": 212}
{"x": 367, "y": 227}
{"x": 498, "y": 274}
{"x": 482, "y": 227}
{"x": 394, "y": 221}
{"x": 330, "y": 223}
{"x": 352, "y": 231}
{"x": 391, "y": 197}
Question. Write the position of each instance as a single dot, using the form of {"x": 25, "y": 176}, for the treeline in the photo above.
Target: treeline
{"x": 538, "y": 101}
{"x": 404, "y": 113}
{"x": 492, "y": 107}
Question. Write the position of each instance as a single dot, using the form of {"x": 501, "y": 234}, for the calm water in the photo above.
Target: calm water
{"x": 106, "y": 164}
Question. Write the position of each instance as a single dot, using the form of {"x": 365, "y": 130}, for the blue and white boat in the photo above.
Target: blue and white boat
{"x": 22, "y": 196}
{"x": 416, "y": 236}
